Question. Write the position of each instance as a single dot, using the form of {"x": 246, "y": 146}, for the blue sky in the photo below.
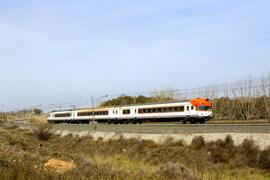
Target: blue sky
{"x": 66, "y": 50}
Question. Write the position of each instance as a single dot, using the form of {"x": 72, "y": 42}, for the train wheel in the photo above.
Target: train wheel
{"x": 202, "y": 121}
{"x": 192, "y": 121}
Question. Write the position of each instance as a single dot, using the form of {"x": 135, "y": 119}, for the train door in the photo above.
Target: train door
{"x": 188, "y": 110}
{"x": 112, "y": 115}
{"x": 192, "y": 110}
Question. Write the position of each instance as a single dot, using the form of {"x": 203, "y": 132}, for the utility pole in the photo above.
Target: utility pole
{"x": 134, "y": 99}
{"x": 93, "y": 106}
{"x": 2, "y": 112}
{"x": 74, "y": 106}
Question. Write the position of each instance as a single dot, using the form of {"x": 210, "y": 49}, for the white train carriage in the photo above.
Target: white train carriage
{"x": 195, "y": 110}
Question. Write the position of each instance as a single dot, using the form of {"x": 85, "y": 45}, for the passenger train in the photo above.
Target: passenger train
{"x": 197, "y": 110}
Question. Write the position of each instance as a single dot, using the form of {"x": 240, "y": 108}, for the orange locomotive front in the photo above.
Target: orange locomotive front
{"x": 202, "y": 104}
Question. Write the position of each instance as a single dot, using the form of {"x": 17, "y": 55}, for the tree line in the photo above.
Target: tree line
{"x": 224, "y": 108}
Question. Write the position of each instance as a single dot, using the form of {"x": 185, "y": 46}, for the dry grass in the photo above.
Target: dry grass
{"x": 237, "y": 174}
{"x": 36, "y": 118}
{"x": 177, "y": 171}
{"x": 122, "y": 163}
{"x": 32, "y": 118}
{"x": 23, "y": 155}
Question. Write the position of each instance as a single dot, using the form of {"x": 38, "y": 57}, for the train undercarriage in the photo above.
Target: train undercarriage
{"x": 190, "y": 120}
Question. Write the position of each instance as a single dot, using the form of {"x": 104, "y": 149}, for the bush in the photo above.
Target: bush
{"x": 176, "y": 171}
{"x": 264, "y": 159}
{"x": 37, "y": 111}
{"x": 222, "y": 151}
{"x": 4, "y": 163}
{"x": 43, "y": 131}
{"x": 197, "y": 142}
{"x": 249, "y": 152}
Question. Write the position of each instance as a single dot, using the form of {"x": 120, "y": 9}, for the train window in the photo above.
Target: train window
{"x": 182, "y": 108}
{"x": 93, "y": 113}
{"x": 135, "y": 110}
{"x": 187, "y": 108}
{"x": 126, "y": 111}
{"x": 192, "y": 107}
{"x": 63, "y": 115}
{"x": 162, "y": 110}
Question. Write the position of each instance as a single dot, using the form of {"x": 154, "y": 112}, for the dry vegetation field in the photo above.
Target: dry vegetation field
{"x": 39, "y": 154}
{"x": 32, "y": 118}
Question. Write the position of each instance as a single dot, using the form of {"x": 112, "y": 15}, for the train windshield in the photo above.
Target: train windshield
{"x": 205, "y": 108}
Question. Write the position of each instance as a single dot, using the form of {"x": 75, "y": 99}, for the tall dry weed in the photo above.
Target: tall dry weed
{"x": 43, "y": 131}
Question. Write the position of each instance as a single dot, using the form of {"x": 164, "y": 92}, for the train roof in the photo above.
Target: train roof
{"x": 129, "y": 105}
